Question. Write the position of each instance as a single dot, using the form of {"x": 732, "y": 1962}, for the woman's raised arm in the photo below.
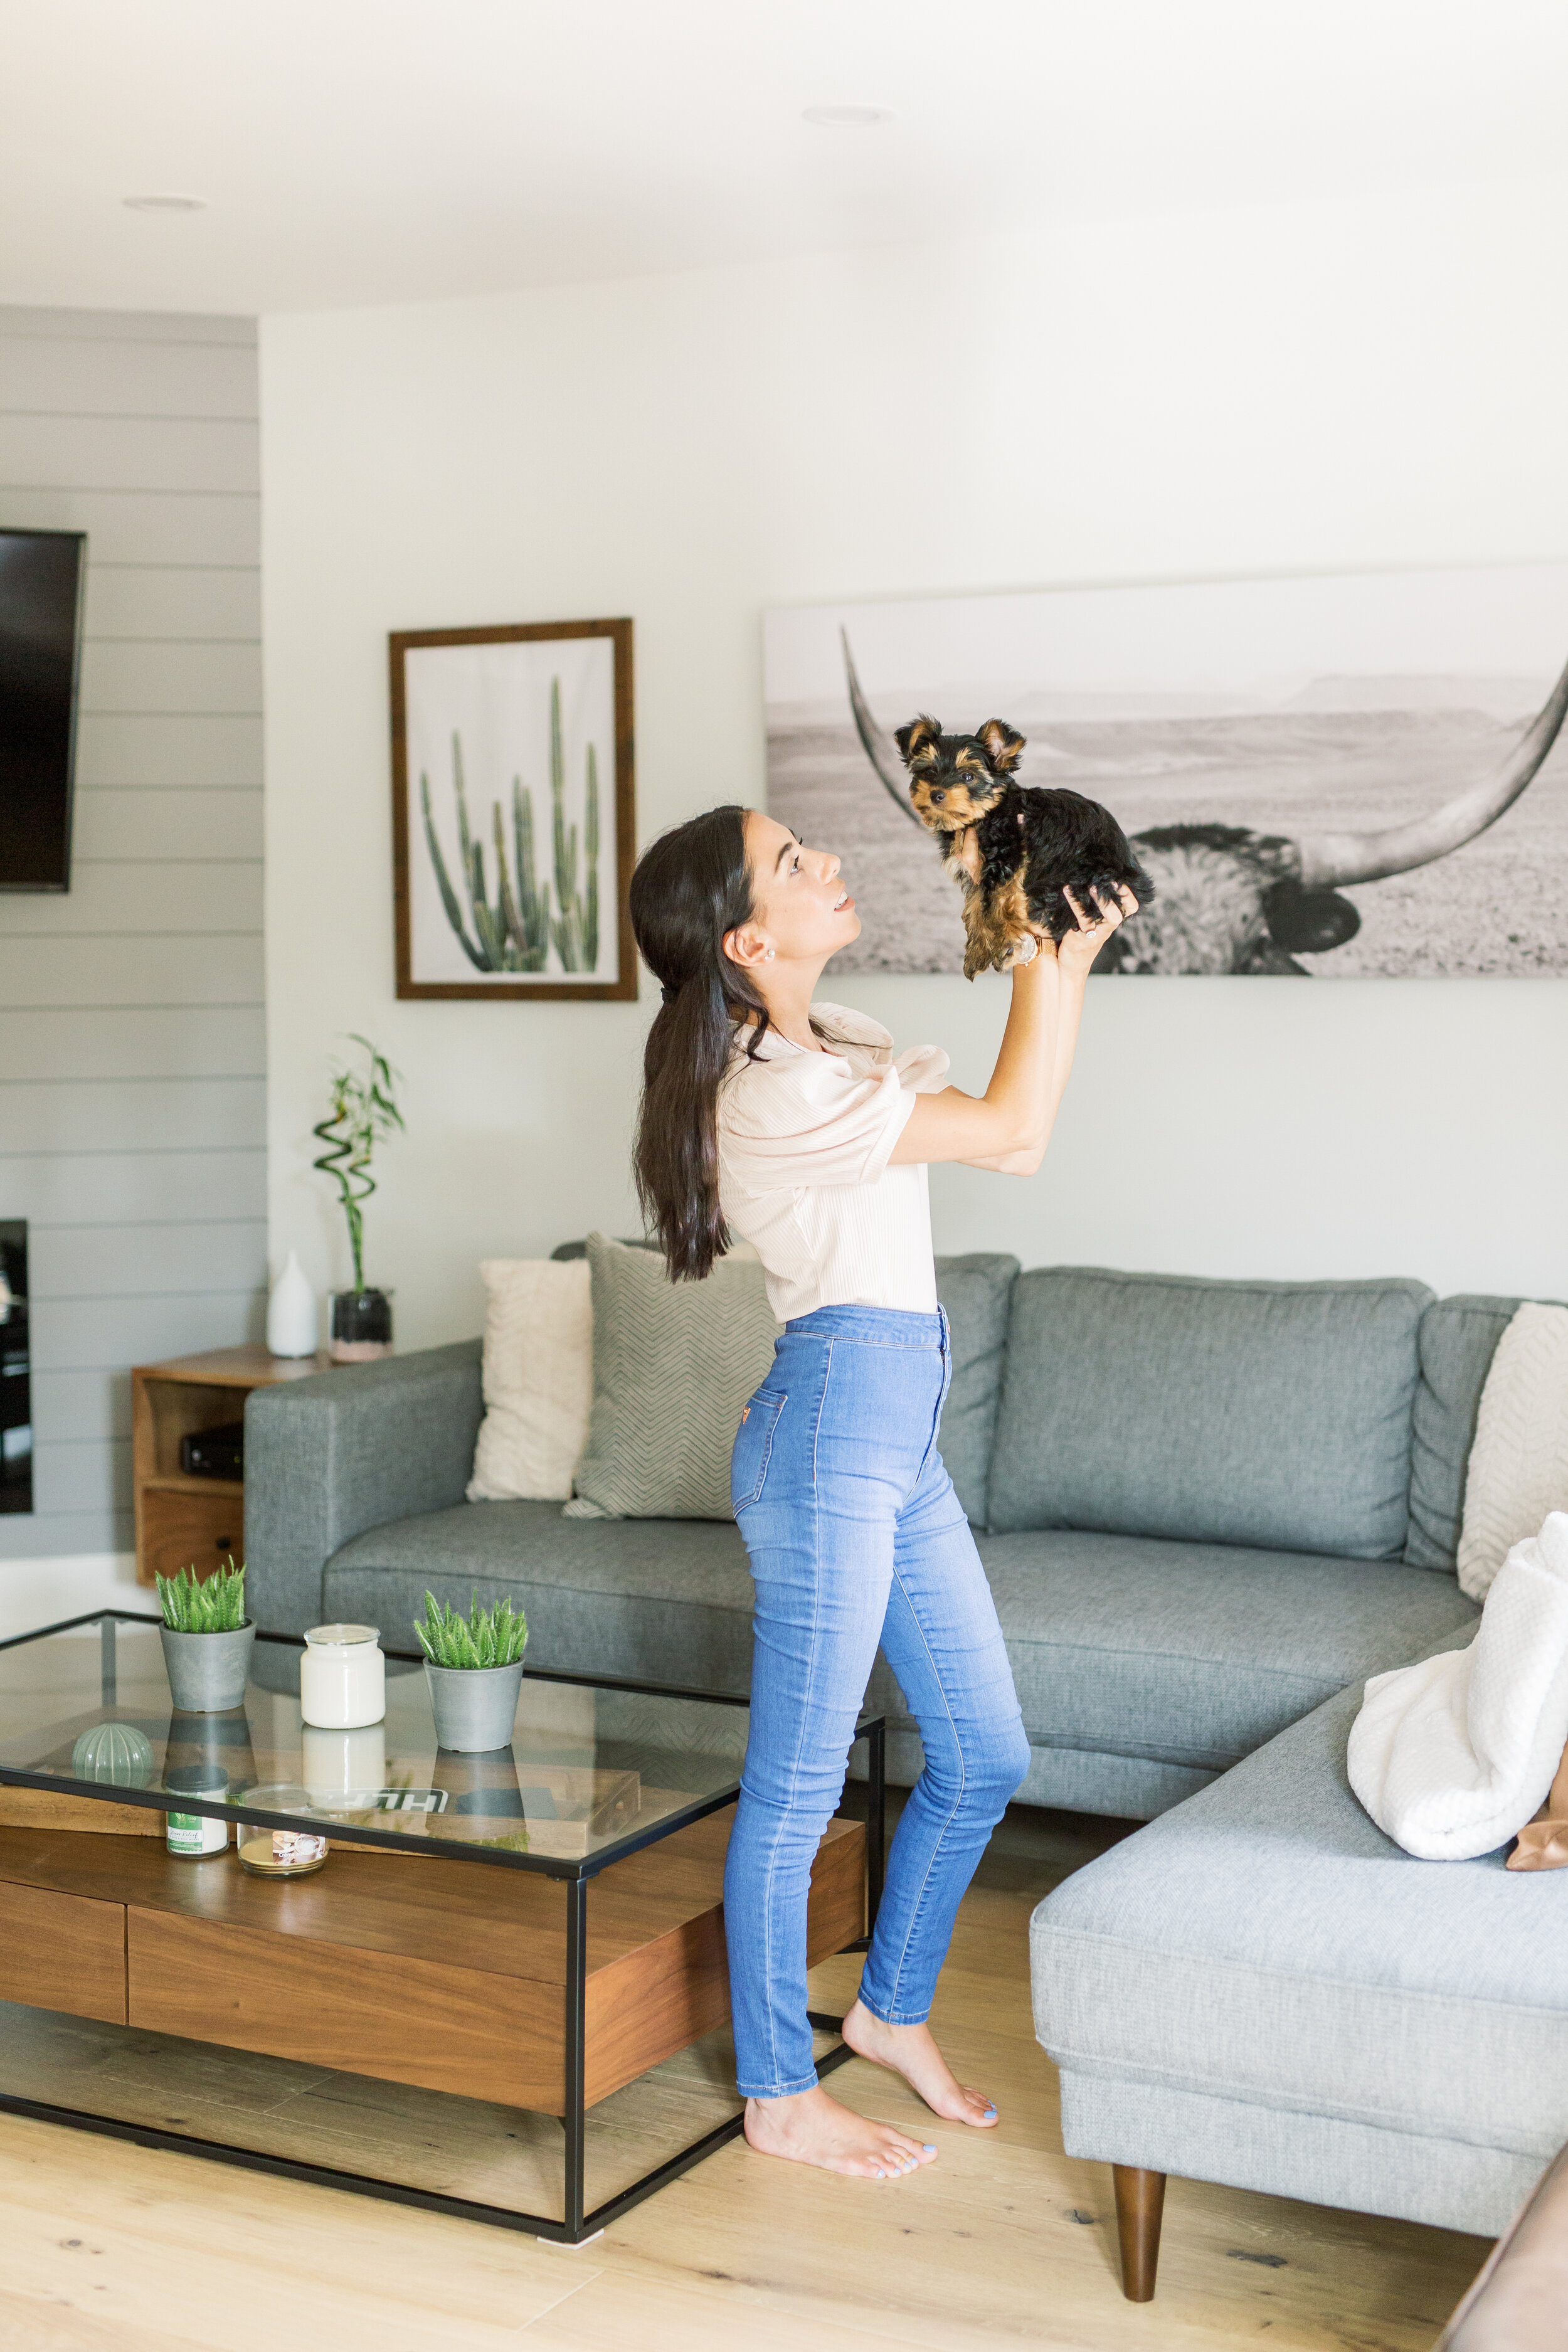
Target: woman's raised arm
{"x": 1008, "y": 1127}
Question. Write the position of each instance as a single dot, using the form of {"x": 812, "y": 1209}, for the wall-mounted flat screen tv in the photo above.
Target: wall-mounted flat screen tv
{"x": 40, "y": 632}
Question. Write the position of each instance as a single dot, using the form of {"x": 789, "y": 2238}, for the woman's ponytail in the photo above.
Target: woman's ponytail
{"x": 691, "y": 887}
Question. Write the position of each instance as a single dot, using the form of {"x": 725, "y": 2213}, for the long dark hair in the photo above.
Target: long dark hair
{"x": 688, "y": 889}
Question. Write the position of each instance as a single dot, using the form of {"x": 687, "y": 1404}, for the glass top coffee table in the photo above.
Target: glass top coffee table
{"x": 441, "y": 2015}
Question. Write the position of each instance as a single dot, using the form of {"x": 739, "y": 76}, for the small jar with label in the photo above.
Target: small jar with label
{"x": 192, "y": 1836}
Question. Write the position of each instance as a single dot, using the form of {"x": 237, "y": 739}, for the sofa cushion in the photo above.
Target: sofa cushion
{"x": 652, "y": 1599}
{"x": 976, "y": 1293}
{"x": 1457, "y": 1340}
{"x": 538, "y": 1380}
{"x": 1271, "y": 1413}
{"x": 1196, "y": 1653}
{"x": 1265, "y": 1944}
{"x": 1181, "y": 1654}
{"x": 674, "y": 1363}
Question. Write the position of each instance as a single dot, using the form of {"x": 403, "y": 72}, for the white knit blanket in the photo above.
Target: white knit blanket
{"x": 1452, "y": 1757}
{"x": 1519, "y": 1463}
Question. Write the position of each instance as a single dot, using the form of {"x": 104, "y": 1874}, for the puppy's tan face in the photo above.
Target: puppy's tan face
{"x": 950, "y": 796}
{"x": 955, "y": 779}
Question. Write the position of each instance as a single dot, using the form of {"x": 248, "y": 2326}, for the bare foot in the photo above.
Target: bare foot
{"x": 812, "y": 2128}
{"x": 911, "y": 2051}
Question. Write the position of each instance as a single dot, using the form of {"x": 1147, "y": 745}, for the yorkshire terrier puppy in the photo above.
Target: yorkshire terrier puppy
{"x": 1016, "y": 852}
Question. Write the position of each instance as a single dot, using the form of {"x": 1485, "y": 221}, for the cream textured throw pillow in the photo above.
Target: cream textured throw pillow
{"x": 1519, "y": 1463}
{"x": 538, "y": 1380}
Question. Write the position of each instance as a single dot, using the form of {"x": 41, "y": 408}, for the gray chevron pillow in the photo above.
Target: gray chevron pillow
{"x": 673, "y": 1364}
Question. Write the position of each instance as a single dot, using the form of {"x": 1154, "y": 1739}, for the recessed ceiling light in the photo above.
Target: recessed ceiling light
{"x": 847, "y": 117}
{"x": 164, "y": 203}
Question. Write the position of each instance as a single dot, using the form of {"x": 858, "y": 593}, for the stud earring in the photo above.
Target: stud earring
{"x": 769, "y": 957}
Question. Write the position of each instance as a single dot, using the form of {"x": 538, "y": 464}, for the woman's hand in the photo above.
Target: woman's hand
{"x": 1079, "y": 949}
{"x": 1009, "y": 1126}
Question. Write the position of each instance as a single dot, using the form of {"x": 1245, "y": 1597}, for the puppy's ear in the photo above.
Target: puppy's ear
{"x": 917, "y": 742}
{"x": 1003, "y": 745}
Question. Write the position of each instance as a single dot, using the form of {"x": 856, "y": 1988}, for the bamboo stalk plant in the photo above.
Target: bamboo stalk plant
{"x": 363, "y": 1113}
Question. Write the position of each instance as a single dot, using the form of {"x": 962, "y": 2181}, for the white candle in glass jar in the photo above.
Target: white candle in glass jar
{"x": 343, "y": 1770}
{"x": 342, "y": 1677}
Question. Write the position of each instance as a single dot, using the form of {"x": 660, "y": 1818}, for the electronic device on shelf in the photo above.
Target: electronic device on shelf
{"x": 215, "y": 1452}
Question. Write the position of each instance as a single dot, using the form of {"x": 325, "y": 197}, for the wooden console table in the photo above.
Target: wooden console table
{"x": 181, "y": 1521}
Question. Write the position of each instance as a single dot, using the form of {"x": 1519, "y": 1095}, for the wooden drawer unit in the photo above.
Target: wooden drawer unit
{"x": 62, "y": 1951}
{"x": 449, "y": 1975}
{"x": 655, "y": 1998}
{"x": 197, "y": 1524}
{"x": 401, "y": 2018}
{"x": 182, "y": 1521}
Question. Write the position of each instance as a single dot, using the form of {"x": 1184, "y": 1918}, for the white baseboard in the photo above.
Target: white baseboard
{"x": 35, "y": 1592}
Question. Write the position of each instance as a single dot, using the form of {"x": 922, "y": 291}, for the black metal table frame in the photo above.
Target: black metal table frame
{"x": 575, "y": 2225}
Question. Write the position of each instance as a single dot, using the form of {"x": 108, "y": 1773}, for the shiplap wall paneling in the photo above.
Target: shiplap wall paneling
{"x": 132, "y": 1060}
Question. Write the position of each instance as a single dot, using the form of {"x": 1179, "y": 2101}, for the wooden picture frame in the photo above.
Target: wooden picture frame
{"x": 510, "y": 876}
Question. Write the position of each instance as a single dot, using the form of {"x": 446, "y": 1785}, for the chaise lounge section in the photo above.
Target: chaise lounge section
{"x": 1260, "y": 1989}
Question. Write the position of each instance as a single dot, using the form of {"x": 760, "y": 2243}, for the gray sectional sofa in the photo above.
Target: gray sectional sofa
{"x": 1204, "y": 1507}
{"x": 1207, "y": 1510}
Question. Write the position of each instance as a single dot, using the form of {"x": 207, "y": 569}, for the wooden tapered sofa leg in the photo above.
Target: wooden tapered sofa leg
{"x": 1140, "y": 2207}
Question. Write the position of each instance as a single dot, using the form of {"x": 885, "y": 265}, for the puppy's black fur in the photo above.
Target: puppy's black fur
{"x": 1014, "y": 851}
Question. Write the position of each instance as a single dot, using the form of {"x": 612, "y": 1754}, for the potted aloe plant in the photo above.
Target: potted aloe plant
{"x": 207, "y": 1639}
{"x": 473, "y": 1666}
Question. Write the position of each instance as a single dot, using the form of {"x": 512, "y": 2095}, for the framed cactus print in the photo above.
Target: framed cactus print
{"x": 513, "y": 828}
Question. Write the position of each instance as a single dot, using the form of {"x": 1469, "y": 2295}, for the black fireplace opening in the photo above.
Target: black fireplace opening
{"x": 16, "y": 1370}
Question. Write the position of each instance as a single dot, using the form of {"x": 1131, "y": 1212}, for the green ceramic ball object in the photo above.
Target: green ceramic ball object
{"x": 116, "y": 1752}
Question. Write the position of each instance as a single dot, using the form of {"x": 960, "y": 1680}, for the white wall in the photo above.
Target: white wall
{"x": 1305, "y": 389}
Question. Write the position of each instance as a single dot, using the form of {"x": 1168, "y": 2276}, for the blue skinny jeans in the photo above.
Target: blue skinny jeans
{"x": 856, "y": 1537}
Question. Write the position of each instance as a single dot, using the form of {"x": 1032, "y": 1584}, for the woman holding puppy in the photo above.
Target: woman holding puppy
{"x": 787, "y": 1121}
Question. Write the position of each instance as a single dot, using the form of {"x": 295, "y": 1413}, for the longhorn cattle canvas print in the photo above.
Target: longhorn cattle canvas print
{"x": 1338, "y": 778}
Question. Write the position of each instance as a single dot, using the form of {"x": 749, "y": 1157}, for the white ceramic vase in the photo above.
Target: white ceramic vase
{"x": 291, "y": 1313}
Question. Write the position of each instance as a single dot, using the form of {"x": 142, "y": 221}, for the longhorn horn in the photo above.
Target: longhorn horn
{"x": 878, "y": 751}
{"x": 1328, "y": 860}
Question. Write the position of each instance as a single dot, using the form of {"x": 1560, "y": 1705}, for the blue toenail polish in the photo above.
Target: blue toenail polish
{"x": 931, "y": 2147}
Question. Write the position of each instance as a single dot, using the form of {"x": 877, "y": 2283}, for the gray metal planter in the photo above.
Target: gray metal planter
{"x": 207, "y": 1671}
{"x": 474, "y": 1706}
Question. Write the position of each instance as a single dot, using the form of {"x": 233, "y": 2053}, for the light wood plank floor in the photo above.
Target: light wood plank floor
{"x": 114, "y": 2249}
